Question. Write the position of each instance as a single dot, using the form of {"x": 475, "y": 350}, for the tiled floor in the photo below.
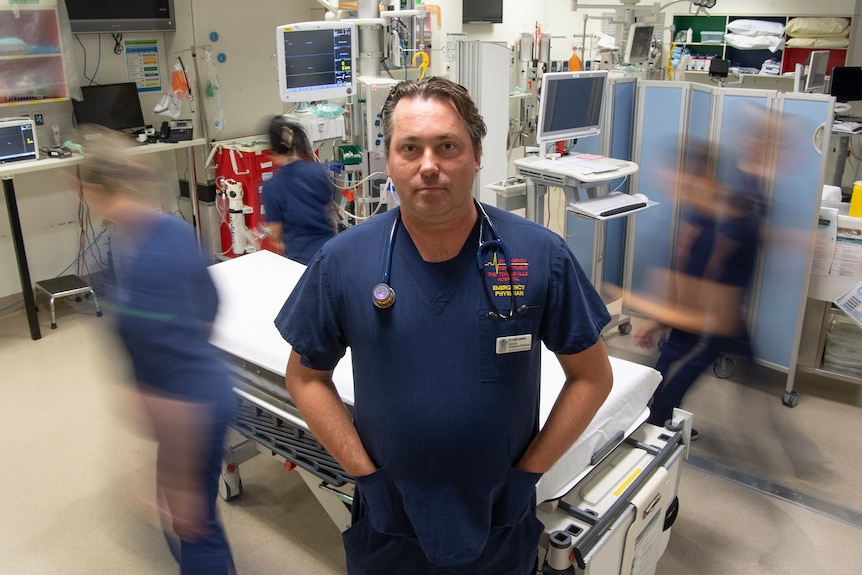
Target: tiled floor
{"x": 78, "y": 474}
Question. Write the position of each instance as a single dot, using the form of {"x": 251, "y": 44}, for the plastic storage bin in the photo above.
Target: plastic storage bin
{"x": 707, "y": 37}
{"x": 843, "y": 352}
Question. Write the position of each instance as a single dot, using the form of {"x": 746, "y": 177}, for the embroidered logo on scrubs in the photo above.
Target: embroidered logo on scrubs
{"x": 498, "y": 270}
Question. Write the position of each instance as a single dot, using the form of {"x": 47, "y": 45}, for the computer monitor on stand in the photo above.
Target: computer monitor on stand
{"x": 638, "y": 44}
{"x": 814, "y": 73}
{"x": 570, "y": 106}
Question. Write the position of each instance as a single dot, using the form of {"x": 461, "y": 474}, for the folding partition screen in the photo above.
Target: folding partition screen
{"x": 662, "y": 114}
{"x": 783, "y": 130}
{"x": 794, "y": 186}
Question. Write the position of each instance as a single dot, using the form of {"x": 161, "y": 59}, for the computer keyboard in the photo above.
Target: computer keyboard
{"x": 613, "y": 204}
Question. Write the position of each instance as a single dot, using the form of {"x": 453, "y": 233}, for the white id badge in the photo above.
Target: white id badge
{"x": 514, "y": 343}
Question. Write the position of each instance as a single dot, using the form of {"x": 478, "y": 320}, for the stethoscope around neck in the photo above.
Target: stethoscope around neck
{"x": 383, "y": 295}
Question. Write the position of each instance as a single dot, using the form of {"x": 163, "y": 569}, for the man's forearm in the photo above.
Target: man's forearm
{"x": 326, "y": 416}
{"x": 577, "y": 404}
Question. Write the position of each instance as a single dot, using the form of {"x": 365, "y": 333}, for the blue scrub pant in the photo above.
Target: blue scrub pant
{"x": 694, "y": 354}
{"x": 684, "y": 356}
{"x": 509, "y": 551}
{"x": 210, "y": 555}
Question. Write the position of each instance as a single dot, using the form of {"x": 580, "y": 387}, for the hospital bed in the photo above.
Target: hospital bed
{"x": 607, "y": 504}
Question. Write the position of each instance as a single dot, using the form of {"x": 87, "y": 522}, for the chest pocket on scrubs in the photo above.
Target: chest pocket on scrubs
{"x": 504, "y": 346}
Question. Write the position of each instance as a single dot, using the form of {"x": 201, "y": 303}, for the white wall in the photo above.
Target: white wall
{"x": 48, "y": 202}
{"x": 557, "y": 18}
{"x": 246, "y": 38}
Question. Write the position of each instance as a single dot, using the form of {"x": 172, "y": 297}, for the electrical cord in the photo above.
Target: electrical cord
{"x": 625, "y": 178}
{"x": 84, "y": 67}
{"x": 118, "y": 42}
{"x": 76, "y": 260}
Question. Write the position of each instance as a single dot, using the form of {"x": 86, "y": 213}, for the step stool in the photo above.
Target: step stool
{"x": 65, "y": 286}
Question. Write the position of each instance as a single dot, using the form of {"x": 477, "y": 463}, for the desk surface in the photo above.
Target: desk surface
{"x": 534, "y": 166}
{"x": 10, "y": 170}
{"x": 14, "y": 168}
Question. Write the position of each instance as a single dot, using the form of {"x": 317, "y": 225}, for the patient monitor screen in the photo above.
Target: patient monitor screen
{"x": 17, "y": 142}
{"x": 317, "y": 60}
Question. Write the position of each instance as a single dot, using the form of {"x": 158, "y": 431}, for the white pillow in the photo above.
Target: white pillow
{"x": 743, "y": 42}
{"x": 833, "y": 42}
{"x": 756, "y": 27}
{"x": 818, "y": 27}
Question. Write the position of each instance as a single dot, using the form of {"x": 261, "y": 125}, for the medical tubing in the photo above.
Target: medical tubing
{"x": 387, "y": 261}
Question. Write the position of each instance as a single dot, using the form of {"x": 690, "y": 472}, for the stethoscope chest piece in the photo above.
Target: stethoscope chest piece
{"x": 383, "y": 296}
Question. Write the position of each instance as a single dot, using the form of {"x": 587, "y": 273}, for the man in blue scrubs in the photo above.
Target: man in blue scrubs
{"x": 444, "y": 442}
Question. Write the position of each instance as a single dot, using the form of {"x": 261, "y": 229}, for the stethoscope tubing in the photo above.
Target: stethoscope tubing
{"x": 383, "y": 296}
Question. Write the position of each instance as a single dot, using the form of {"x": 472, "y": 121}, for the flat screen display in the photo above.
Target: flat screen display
{"x": 17, "y": 141}
{"x": 93, "y": 16}
{"x": 317, "y": 60}
{"x": 482, "y": 12}
{"x": 571, "y": 105}
{"x": 815, "y": 81}
{"x": 115, "y": 106}
{"x": 639, "y": 43}
{"x": 846, "y": 83}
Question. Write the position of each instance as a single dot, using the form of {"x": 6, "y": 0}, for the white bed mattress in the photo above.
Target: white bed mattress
{"x": 252, "y": 289}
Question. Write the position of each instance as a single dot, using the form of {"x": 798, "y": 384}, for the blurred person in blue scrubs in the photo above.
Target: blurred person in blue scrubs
{"x": 703, "y": 297}
{"x": 300, "y": 213}
{"x": 164, "y": 303}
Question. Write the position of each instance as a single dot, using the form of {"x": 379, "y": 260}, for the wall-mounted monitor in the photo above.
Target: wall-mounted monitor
{"x": 815, "y": 80}
{"x": 482, "y": 12}
{"x": 638, "y": 44}
{"x": 846, "y": 83}
{"x": 94, "y": 16}
{"x": 316, "y": 60}
{"x": 570, "y": 105}
{"x": 115, "y": 106}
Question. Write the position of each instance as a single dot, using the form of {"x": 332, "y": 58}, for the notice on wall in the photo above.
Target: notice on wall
{"x": 851, "y": 303}
{"x": 825, "y": 238}
{"x": 142, "y": 64}
{"x": 847, "y": 259}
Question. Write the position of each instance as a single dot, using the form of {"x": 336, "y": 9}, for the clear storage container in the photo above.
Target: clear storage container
{"x": 707, "y": 37}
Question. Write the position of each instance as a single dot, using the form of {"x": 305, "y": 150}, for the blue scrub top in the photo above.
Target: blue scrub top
{"x": 165, "y": 303}
{"x": 297, "y": 197}
{"x": 445, "y": 404}
{"x": 736, "y": 220}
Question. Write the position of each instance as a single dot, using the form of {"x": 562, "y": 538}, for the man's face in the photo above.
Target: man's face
{"x": 431, "y": 160}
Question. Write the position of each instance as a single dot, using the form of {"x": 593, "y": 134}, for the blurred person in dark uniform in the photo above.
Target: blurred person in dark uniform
{"x": 298, "y": 198}
{"x": 164, "y": 304}
{"x": 714, "y": 262}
